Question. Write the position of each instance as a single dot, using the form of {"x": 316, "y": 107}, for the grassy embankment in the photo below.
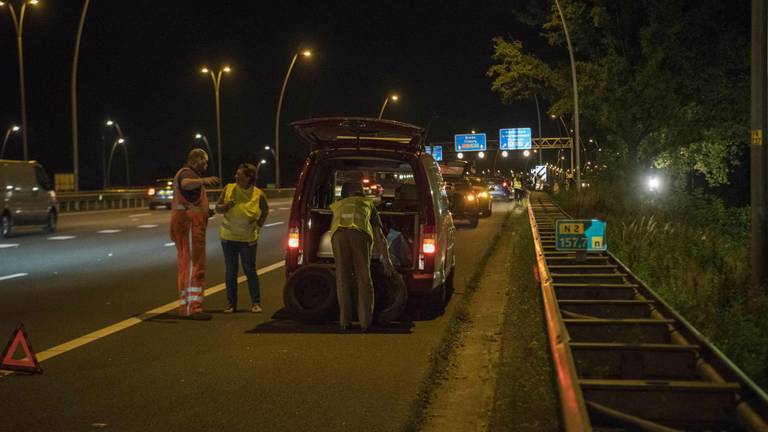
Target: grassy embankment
{"x": 694, "y": 252}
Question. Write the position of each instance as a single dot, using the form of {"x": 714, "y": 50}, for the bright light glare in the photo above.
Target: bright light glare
{"x": 198, "y": 136}
{"x": 110, "y": 122}
{"x": 263, "y": 161}
{"x": 267, "y": 148}
{"x": 121, "y": 141}
{"x": 481, "y": 155}
{"x": 526, "y": 153}
{"x": 395, "y": 97}
{"x": 504, "y": 153}
{"x": 15, "y": 128}
{"x": 227, "y": 69}
{"x": 460, "y": 155}
{"x": 204, "y": 70}
{"x": 654, "y": 183}
{"x": 33, "y": 2}
{"x": 306, "y": 53}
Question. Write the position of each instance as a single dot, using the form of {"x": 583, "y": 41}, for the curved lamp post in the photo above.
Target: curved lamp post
{"x": 75, "y": 150}
{"x": 394, "y": 98}
{"x": 575, "y": 96}
{"x": 8, "y": 133}
{"x": 119, "y": 139}
{"x": 201, "y": 137}
{"x": 305, "y": 53}
{"x": 216, "y": 78}
{"x": 18, "y": 24}
{"x": 118, "y": 142}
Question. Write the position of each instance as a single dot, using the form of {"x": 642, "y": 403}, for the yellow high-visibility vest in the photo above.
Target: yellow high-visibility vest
{"x": 240, "y": 222}
{"x": 353, "y": 213}
{"x": 518, "y": 184}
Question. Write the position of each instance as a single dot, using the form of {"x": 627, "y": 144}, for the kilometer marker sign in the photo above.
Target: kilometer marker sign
{"x": 578, "y": 235}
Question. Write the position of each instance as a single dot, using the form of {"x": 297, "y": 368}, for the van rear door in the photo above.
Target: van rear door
{"x": 360, "y": 133}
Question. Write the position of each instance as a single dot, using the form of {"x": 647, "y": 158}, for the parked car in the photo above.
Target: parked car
{"x": 499, "y": 188}
{"x": 463, "y": 202}
{"x": 484, "y": 198}
{"x": 28, "y": 197}
{"x": 340, "y": 148}
{"x": 161, "y": 194}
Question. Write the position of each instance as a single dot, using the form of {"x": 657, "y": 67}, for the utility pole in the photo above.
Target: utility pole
{"x": 73, "y": 90}
{"x": 758, "y": 181}
{"x": 575, "y": 99}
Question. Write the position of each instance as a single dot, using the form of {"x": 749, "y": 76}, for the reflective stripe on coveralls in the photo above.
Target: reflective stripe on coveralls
{"x": 189, "y": 220}
{"x": 353, "y": 213}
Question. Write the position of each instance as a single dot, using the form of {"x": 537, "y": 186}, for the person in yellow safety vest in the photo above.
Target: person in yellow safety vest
{"x": 189, "y": 221}
{"x": 355, "y": 230}
{"x": 245, "y": 209}
{"x": 518, "y": 186}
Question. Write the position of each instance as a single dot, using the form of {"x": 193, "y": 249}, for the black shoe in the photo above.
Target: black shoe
{"x": 200, "y": 316}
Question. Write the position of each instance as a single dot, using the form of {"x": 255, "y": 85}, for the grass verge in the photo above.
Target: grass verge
{"x": 526, "y": 392}
{"x": 441, "y": 355}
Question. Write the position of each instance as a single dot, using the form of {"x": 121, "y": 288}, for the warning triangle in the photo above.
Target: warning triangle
{"x": 27, "y": 364}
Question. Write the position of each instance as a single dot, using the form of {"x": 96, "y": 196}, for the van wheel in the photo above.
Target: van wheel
{"x": 473, "y": 220}
{"x": 390, "y": 295}
{"x": 52, "y": 223}
{"x": 310, "y": 293}
{"x": 6, "y": 226}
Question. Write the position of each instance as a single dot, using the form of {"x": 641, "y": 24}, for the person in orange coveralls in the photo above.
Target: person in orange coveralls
{"x": 189, "y": 219}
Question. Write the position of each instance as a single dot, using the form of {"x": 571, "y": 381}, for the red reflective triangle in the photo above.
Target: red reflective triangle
{"x": 29, "y": 363}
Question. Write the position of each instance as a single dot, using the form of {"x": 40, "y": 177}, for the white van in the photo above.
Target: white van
{"x": 28, "y": 197}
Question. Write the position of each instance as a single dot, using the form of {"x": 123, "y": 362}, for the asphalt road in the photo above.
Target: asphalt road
{"x": 236, "y": 372}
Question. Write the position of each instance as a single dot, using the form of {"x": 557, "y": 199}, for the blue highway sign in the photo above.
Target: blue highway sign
{"x": 470, "y": 142}
{"x": 436, "y": 152}
{"x": 515, "y": 139}
{"x": 580, "y": 235}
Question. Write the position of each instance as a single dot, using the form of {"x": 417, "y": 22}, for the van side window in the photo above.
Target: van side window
{"x": 42, "y": 179}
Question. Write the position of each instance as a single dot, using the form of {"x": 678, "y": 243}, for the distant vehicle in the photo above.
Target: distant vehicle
{"x": 371, "y": 189}
{"x": 499, "y": 188}
{"x": 161, "y": 194}
{"x": 341, "y": 148}
{"x": 484, "y": 198}
{"x": 28, "y": 197}
{"x": 462, "y": 198}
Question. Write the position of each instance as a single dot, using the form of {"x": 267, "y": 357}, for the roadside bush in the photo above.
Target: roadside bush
{"x": 694, "y": 252}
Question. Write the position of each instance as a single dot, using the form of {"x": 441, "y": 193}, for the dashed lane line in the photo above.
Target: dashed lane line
{"x": 8, "y": 245}
{"x": 60, "y": 238}
{"x": 130, "y": 322}
{"x": 139, "y": 215}
{"x": 109, "y": 231}
{"x": 148, "y": 226}
{"x": 169, "y": 244}
{"x": 273, "y": 224}
{"x": 13, "y": 276}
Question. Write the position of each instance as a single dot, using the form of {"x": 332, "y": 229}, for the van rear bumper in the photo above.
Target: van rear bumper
{"x": 420, "y": 284}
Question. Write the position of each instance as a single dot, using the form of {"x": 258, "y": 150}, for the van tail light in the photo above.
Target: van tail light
{"x": 428, "y": 241}
{"x": 293, "y": 238}
{"x": 151, "y": 192}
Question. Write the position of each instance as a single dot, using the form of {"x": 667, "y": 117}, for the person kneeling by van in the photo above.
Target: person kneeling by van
{"x": 355, "y": 229}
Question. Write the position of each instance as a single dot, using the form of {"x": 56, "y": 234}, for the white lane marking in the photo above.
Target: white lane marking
{"x": 139, "y": 215}
{"x": 273, "y": 224}
{"x": 130, "y": 322}
{"x": 169, "y": 244}
{"x": 61, "y": 238}
{"x": 148, "y": 226}
{"x": 283, "y": 208}
{"x": 8, "y": 245}
{"x": 13, "y": 276}
{"x": 109, "y": 231}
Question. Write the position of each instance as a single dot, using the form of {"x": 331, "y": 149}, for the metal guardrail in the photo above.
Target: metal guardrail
{"x": 624, "y": 358}
{"x": 131, "y": 198}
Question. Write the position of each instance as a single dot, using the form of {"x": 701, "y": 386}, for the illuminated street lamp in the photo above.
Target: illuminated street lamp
{"x": 526, "y": 153}
{"x": 394, "y": 98}
{"x": 8, "y": 133}
{"x": 18, "y": 25}
{"x": 306, "y": 54}
{"x": 460, "y": 155}
{"x": 107, "y": 163}
{"x": 216, "y": 78}
{"x": 504, "y": 153}
{"x": 481, "y": 155}
{"x": 201, "y": 137}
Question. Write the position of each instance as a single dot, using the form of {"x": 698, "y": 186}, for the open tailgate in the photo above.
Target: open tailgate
{"x": 359, "y": 132}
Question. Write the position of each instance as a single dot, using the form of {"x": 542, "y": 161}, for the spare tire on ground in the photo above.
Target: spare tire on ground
{"x": 310, "y": 293}
{"x": 390, "y": 295}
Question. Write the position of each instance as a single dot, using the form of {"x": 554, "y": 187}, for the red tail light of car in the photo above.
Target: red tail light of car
{"x": 293, "y": 238}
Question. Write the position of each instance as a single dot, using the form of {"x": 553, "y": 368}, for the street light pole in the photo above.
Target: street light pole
{"x": 5, "y": 140}
{"x": 18, "y": 24}
{"x": 305, "y": 53}
{"x": 118, "y": 141}
{"x": 538, "y": 115}
{"x": 384, "y": 105}
{"x": 216, "y": 78}
{"x": 106, "y": 167}
{"x": 204, "y": 139}
{"x": 575, "y": 96}
{"x": 75, "y": 152}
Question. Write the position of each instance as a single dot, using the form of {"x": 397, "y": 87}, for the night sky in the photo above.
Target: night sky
{"x": 140, "y": 63}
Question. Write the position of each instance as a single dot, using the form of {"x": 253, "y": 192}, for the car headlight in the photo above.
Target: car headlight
{"x": 469, "y": 197}
{"x": 483, "y": 195}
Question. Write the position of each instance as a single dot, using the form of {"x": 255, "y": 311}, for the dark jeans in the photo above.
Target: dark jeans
{"x": 247, "y": 255}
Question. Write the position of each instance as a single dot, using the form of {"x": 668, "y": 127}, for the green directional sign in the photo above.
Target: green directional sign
{"x": 580, "y": 235}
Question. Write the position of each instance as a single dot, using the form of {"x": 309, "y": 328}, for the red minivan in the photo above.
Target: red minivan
{"x": 411, "y": 202}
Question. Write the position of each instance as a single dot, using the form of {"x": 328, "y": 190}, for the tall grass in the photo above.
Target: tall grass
{"x": 694, "y": 252}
